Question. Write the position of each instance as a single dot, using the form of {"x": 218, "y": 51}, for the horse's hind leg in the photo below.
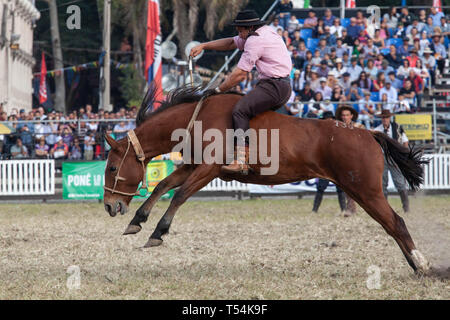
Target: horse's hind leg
{"x": 379, "y": 209}
{"x": 199, "y": 178}
{"x": 172, "y": 181}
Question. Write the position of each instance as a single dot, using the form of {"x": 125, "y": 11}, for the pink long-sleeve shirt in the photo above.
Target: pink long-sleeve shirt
{"x": 267, "y": 52}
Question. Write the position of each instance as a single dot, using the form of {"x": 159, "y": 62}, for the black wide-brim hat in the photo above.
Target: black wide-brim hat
{"x": 247, "y": 18}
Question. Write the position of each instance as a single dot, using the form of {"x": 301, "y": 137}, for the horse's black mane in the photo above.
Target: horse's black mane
{"x": 183, "y": 94}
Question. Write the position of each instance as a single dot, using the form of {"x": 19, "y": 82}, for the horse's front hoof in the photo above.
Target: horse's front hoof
{"x": 132, "y": 229}
{"x": 153, "y": 243}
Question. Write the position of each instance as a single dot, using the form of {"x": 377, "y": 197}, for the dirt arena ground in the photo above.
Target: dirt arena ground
{"x": 251, "y": 249}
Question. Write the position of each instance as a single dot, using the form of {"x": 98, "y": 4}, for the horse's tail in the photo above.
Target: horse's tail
{"x": 407, "y": 159}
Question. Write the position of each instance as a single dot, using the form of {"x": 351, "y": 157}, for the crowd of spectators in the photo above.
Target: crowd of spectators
{"x": 370, "y": 66}
{"x": 77, "y": 136}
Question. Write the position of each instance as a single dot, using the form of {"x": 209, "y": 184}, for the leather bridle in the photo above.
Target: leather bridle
{"x": 133, "y": 141}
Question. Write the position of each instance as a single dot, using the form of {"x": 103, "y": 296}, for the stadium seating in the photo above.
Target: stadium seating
{"x": 305, "y": 34}
{"x": 395, "y": 41}
{"x": 375, "y": 96}
{"x": 311, "y": 44}
{"x": 345, "y": 22}
{"x": 385, "y": 51}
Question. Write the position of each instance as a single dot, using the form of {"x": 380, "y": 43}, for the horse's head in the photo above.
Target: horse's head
{"x": 123, "y": 173}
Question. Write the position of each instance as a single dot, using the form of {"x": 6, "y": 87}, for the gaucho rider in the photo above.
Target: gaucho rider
{"x": 266, "y": 50}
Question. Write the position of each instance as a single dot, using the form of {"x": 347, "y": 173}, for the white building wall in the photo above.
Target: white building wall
{"x": 16, "y": 65}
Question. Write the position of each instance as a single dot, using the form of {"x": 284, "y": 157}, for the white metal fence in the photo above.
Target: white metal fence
{"x": 437, "y": 173}
{"x": 27, "y": 177}
{"x": 220, "y": 185}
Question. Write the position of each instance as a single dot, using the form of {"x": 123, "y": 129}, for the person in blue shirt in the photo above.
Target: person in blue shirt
{"x": 328, "y": 18}
{"x": 353, "y": 29}
{"x": 436, "y": 16}
{"x": 354, "y": 93}
{"x": 439, "y": 52}
{"x": 403, "y": 50}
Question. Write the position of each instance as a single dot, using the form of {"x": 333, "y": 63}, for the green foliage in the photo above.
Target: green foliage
{"x": 131, "y": 86}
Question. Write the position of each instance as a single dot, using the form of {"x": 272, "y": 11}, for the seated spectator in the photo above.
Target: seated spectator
{"x": 408, "y": 92}
{"x": 283, "y": 10}
{"x": 429, "y": 63}
{"x": 354, "y": 93}
{"x": 316, "y": 59}
{"x": 26, "y": 135}
{"x": 276, "y": 25}
{"x": 396, "y": 83}
{"x": 340, "y": 49}
{"x": 366, "y": 110}
{"x": 357, "y": 48}
{"x": 89, "y": 142}
{"x": 296, "y": 108}
{"x": 346, "y": 60}
{"x": 339, "y": 70}
{"x": 402, "y": 106}
{"x": 328, "y": 18}
{"x": 364, "y": 82}
{"x": 371, "y": 70}
{"x": 391, "y": 18}
{"x": 42, "y": 149}
{"x": 345, "y": 82}
{"x": 120, "y": 130}
{"x": 329, "y": 38}
{"x": 389, "y": 91}
{"x": 445, "y": 27}
{"x": 406, "y": 17}
{"x": 323, "y": 69}
{"x": 306, "y": 94}
{"x": 413, "y": 36}
{"x": 370, "y": 51}
{"x": 60, "y": 150}
{"x": 315, "y": 83}
{"x": 346, "y": 39}
{"x": 379, "y": 82}
{"x": 337, "y": 95}
{"x": 319, "y": 30}
{"x": 436, "y": 16}
{"x": 354, "y": 70}
{"x": 286, "y": 38}
{"x": 18, "y": 150}
{"x": 421, "y": 71}
{"x": 386, "y": 68}
{"x": 423, "y": 16}
{"x": 416, "y": 24}
{"x": 418, "y": 85}
{"x": 293, "y": 25}
{"x": 306, "y": 73}
{"x": 363, "y": 37}
{"x": 378, "y": 41}
{"x": 296, "y": 82}
{"x": 428, "y": 27}
{"x": 311, "y": 21}
{"x": 400, "y": 33}
{"x": 403, "y": 50}
{"x": 394, "y": 60}
{"x": 440, "y": 53}
{"x": 332, "y": 79}
{"x": 324, "y": 89}
{"x": 336, "y": 28}
{"x": 403, "y": 71}
{"x": 302, "y": 50}
{"x": 323, "y": 48}
{"x": 316, "y": 106}
{"x": 296, "y": 39}
{"x": 353, "y": 29}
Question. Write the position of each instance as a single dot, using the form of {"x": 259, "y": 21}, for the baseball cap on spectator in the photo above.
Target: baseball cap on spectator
{"x": 323, "y": 79}
{"x": 58, "y": 139}
{"x": 346, "y": 74}
{"x": 413, "y": 50}
{"x": 333, "y": 49}
{"x": 332, "y": 73}
{"x": 22, "y": 110}
{"x": 338, "y": 60}
{"x": 405, "y": 39}
{"x": 388, "y": 81}
{"x": 353, "y": 59}
{"x": 367, "y": 93}
{"x": 323, "y": 62}
{"x": 391, "y": 72}
{"x": 314, "y": 70}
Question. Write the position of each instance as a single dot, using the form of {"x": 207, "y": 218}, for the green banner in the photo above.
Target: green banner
{"x": 85, "y": 180}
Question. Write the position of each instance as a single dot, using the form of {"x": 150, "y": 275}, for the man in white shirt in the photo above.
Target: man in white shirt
{"x": 396, "y": 132}
{"x": 324, "y": 89}
{"x": 390, "y": 92}
{"x": 354, "y": 70}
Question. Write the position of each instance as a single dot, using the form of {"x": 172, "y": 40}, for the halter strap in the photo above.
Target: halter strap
{"x": 134, "y": 141}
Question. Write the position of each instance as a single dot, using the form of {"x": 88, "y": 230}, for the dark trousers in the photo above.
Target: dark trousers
{"x": 269, "y": 94}
{"x": 322, "y": 184}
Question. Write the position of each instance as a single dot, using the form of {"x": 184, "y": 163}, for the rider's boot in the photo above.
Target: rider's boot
{"x": 240, "y": 164}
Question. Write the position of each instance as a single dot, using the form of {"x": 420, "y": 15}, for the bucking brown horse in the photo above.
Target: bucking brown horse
{"x": 352, "y": 158}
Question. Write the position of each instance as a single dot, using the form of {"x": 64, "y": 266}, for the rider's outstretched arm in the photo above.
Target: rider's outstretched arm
{"x": 219, "y": 45}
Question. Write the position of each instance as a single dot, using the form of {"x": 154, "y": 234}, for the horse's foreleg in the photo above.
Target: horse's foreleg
{"x": 379, "y": 209}
{"x": 174, "y": 180}
{"x": 199, "y": 178}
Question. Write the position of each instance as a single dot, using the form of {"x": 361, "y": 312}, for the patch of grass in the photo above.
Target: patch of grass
{"x": 251, "y": 249}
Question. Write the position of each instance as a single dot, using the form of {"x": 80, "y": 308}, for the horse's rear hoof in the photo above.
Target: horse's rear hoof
{"x": 153, "y": 243}
{"x": 132, "y": 229}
